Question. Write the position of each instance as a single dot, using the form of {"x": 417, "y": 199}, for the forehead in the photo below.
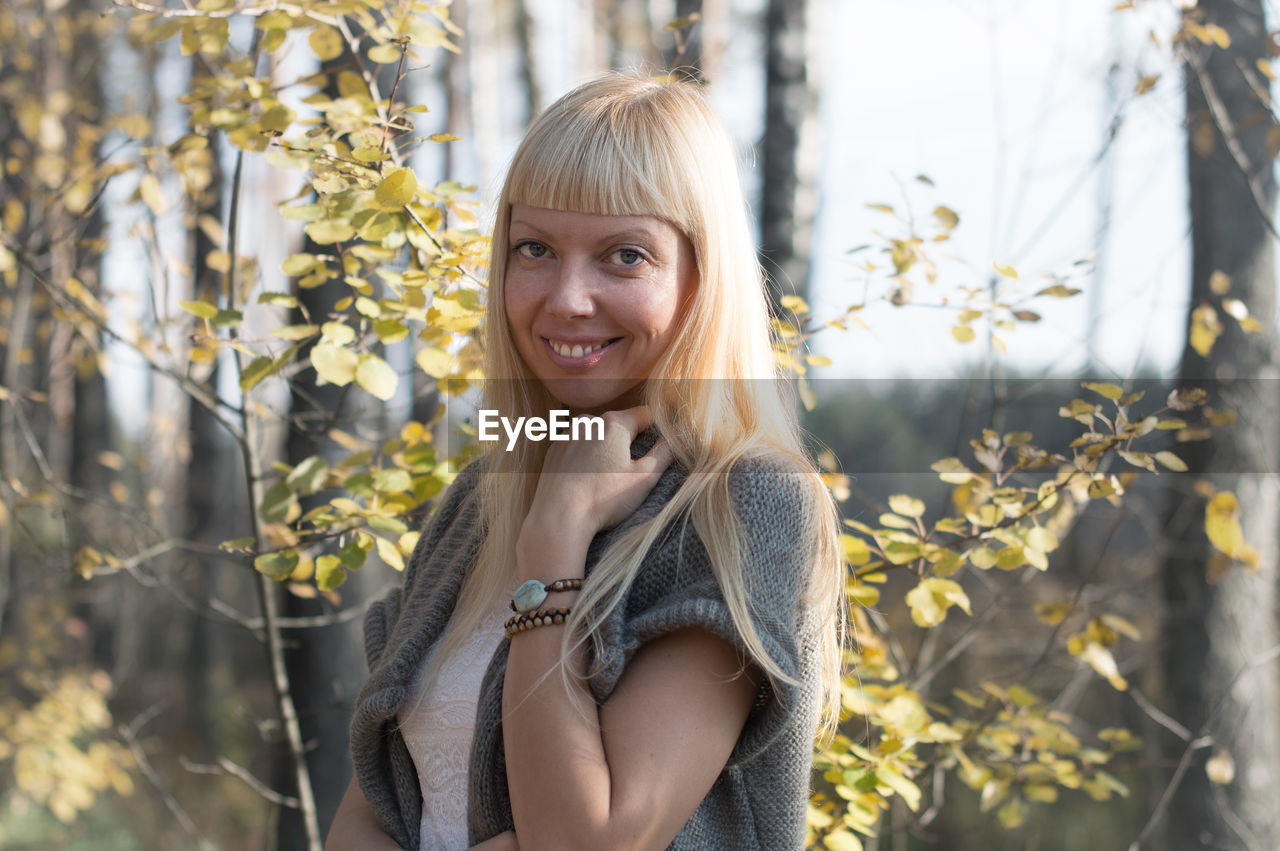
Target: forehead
{"x": 567, "y": 223}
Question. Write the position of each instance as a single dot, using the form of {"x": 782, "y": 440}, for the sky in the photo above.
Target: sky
{"x": 1005, "y": 105}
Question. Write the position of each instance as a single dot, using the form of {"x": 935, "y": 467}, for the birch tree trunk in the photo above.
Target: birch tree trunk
{"x": 1222, "y": 635}
{"x": 788, "y": 149}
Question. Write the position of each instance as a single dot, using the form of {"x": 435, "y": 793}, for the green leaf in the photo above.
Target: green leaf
{"x": 277, "y": 565}
{"x": 376, "y": 376}
{"x": 397, "y": 188}
{"x": 258, "y": 369}
{"x": 308, "y": 476}
{"x": 392, "y": 480}
{"x": 352, "y": 555}
{"x": 277, "y": 503}
{"x": 329, "y": 572}
{"x": 334, "y": 363}
{"x": 227, "y": 318}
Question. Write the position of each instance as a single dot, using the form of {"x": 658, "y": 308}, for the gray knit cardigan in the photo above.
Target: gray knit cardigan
{"x": 757, "y": 802}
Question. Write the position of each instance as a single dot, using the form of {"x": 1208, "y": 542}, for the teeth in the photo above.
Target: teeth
{"x": 574, "y": 351}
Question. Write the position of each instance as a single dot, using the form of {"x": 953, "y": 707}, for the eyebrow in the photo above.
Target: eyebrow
{"x": 626, "y": 233}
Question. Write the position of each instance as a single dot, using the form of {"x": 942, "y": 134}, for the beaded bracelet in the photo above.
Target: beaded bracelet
{"x": 532, "y": 594}
{"x": 532, "y": 620}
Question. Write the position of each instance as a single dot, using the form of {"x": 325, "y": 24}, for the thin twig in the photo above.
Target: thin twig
{"x": 226, "y": 766}
{"x": 129, "y": 733}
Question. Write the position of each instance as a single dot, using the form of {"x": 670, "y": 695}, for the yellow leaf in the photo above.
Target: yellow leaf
{"x": 963, "y": 333}
{"x": 152, "y": 195}
{"x": 854, "y": 550}
{"x": 1108, "y": 391}
{"x": 442, "y": 137}
{"x": 376, "y": 376}
{"x": 1146, "y": 84}
{"x": 1235, "y": 308}
{"x": 930, "y": 600}
{"x": 1222, "y": 524}
{"x": 946, "y": 216}
{"x": 983, "y": 558}
{"x": 390, "y": 553}
{"x": 1219, "y": 282}
{"x": 384, "y": 54}
{"x": 907, "y": 506}
{"x": 1221, "y": 768}
{"x": 334, "y": 363}
{"x": 841, "y": 840}
{"x": 795, "y": 304}
{"x": 397, "y": 188}
{"x": 202, "y": 309}
{"x": 1205, "y": 329}
{"x": 1101, "y": 660}
{"x": 327, "y": 232}
{"x": 1171, "y": 461}
{"x": 1004, "y": 270}
{"x": 326, "y": 43}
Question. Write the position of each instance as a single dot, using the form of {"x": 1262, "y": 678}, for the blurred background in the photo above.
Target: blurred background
{"x": 241, "y": 248}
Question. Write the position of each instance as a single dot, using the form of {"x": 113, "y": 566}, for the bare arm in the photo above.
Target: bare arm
{"x": 356, "y": 828}
{"x": 355, "y": 825}
{"x": 630, "y": 773}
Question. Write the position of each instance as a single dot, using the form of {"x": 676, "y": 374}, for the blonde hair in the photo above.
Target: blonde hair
{"x": 623, "y": 145}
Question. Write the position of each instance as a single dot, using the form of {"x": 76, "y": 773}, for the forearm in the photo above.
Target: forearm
{"x": 355, "y": 826}
{"x": 557, "y": 768}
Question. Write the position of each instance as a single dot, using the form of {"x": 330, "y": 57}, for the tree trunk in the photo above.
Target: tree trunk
{"x": 1222, "y": 632}
{"x": 788, "y": 150}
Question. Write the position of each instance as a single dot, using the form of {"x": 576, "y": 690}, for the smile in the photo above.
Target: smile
{"x": 576, "y": 350}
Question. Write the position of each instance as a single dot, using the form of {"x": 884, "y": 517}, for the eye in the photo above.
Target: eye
{"x": 628, "y": 257}
{"x": 530, "y": 249}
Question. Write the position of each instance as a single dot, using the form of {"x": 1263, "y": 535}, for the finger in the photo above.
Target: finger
{"x": 657, "y": 459}
{"x": 634, "y": 420}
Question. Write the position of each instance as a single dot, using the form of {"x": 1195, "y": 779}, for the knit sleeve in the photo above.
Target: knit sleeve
{"x": 774, "y": 504}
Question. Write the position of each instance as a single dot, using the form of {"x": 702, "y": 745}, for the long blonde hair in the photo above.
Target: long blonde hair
{"x": 623, "y": 145}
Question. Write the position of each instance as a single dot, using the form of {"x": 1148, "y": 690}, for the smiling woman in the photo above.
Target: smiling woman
{"x": 675, "y": 641}
{"x": 595, "y": 297}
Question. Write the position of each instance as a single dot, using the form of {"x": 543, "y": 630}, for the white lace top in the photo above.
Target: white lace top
{"x": 438, "y": 732}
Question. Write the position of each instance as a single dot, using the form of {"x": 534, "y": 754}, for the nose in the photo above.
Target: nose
{"x": 572, "y": 295}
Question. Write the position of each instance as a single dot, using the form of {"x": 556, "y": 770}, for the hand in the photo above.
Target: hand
{"x": 590, "y": 485}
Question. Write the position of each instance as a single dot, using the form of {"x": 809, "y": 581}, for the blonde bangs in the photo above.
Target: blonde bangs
{"x": 608, "y": 157}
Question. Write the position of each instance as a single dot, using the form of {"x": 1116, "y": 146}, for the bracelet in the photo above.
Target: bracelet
{"x": 533, "y": 593}
{"x": 532, "y": 620}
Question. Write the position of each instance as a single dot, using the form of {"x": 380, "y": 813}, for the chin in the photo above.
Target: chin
{"x": 604, "y": 396}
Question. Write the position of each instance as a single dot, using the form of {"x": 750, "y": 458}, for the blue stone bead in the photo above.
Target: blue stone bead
{"x": 530, "y": 595}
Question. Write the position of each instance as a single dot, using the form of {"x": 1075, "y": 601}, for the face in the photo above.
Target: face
{"x": 594, "y": 301}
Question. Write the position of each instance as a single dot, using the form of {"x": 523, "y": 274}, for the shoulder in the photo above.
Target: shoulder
{"x": 772, "y": 488}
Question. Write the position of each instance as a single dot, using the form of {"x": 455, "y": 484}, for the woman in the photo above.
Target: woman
{"x": 685, "y": 564}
